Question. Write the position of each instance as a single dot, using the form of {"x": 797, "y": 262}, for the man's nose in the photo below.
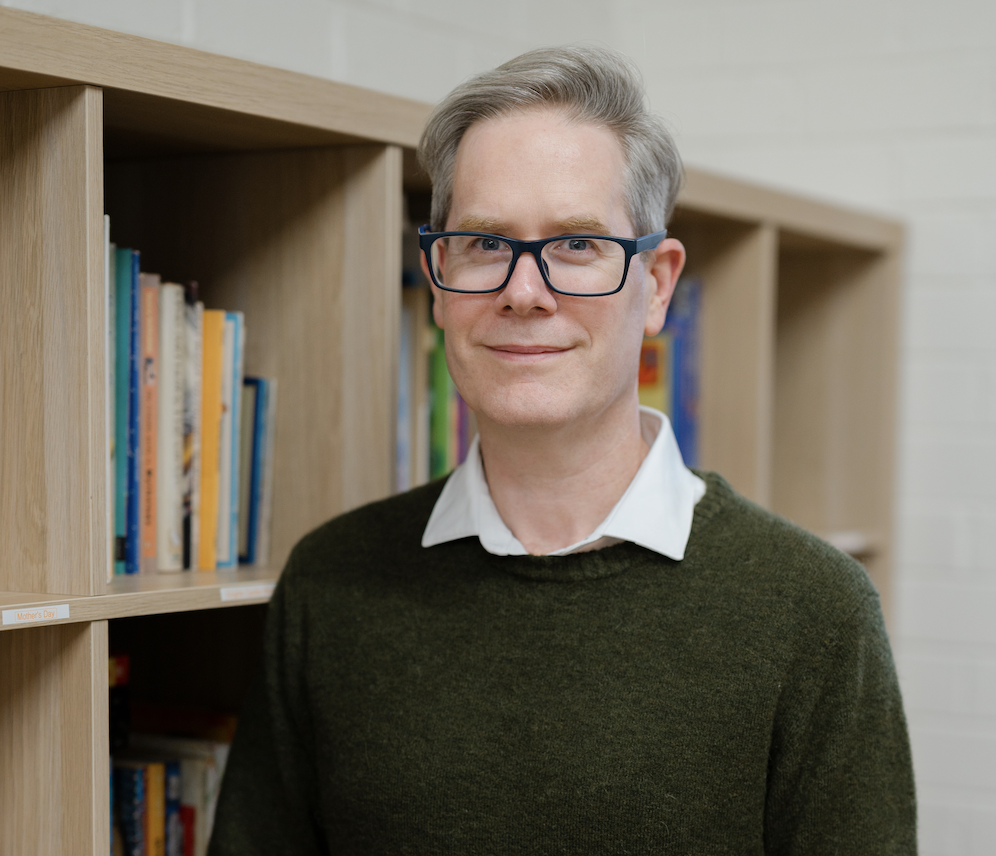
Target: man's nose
{"x": 526, "y": 287}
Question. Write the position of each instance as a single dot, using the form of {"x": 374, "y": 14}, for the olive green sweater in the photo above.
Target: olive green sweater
{"x": 448, "y": 701}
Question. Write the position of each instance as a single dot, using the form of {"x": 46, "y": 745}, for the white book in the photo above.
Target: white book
{"x": 194, "y": 324}
{"x": 223, "y": 543}
{"x": 169, "y": 442}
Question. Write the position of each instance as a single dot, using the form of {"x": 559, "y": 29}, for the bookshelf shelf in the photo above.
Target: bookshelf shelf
{"x": 282, "y": 195}
{"x": 144, "y": 594}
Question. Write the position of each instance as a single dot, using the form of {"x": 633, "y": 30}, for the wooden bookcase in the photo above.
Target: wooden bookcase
{"x": 282, "y": 195}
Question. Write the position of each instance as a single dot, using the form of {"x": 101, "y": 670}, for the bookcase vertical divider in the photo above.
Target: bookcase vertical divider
{"x": 370, "y": 322}
{"x": 53, "y": 447}
{"x": 737, "y": 353}
{"x": 54, "y": 796}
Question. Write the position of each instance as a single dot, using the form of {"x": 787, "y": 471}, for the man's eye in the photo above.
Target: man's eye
{"x": 578, "y": 245}
{"x": 489, "y": 244}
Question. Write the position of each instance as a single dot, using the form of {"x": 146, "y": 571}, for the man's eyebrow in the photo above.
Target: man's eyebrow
{"x": 583, "y": 225}
{"x": 481, "y": 224}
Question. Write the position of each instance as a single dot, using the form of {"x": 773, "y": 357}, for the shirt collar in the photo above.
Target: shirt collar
{"x": 655, "y": 511}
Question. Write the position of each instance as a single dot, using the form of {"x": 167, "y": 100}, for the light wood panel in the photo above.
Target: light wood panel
{"x": 199, "y": 97}
{"x": 54, "y": 794}
{"x": 306, "y": 244}
{"x": 717, "y": 196}
{"x": 835, "y": 397}
{"x": 369, "y": 323}
{"x": 53, "y": 449}
{"x": 737, "y": 265}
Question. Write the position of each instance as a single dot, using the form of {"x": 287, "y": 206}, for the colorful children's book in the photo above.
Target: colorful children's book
{"x": 194, "y": 327}
{"x": 127, "y": 271}
{"x": 149, "y": 420}
{"x": 169, "y": 457}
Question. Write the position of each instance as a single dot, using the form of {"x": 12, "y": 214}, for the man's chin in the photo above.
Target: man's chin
{"x": 527, "y": 412}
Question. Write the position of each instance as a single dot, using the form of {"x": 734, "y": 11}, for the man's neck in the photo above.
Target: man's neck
{"x": 553, "y": 486}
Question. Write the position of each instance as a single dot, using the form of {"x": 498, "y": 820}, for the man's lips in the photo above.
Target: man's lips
{"x": 527, "y": 354}
{"x": 529, "y": 349}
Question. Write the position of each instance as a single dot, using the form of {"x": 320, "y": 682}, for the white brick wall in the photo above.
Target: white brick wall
{"x": 885, "y": 103}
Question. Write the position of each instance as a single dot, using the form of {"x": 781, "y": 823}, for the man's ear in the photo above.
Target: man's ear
{"x": 437, "y": 312}
{"x": 662, "y": 276}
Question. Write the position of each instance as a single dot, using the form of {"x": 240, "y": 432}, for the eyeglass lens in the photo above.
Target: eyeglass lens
{"x": 573, "y": 264}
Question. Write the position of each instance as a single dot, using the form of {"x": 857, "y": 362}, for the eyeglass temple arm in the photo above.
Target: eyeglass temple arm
{"x": 650, "y": 242}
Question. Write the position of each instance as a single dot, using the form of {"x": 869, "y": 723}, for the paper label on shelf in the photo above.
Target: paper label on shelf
{"x": 32, "y": 614}
{"x": 249, "y": 591}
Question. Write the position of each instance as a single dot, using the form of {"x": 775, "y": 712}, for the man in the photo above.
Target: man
{"x": 574, "y": 644}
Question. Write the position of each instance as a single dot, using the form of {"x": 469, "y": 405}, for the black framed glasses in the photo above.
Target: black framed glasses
{"x": 575, "y": 265}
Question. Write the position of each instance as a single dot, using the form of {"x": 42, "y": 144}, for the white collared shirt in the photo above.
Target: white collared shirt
{"x": 654, "y": 512}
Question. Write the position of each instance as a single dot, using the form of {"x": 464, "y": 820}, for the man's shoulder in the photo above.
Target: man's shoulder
{"x": 387, "y": 526}
{"x": 758, "y": 552}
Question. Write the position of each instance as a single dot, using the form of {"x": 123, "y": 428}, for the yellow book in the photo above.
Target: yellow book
{"x": 211, "y": 371}
{"x": 155, "y": 809}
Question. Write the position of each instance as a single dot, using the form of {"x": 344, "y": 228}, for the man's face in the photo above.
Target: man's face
{"x": 526, "y": 356}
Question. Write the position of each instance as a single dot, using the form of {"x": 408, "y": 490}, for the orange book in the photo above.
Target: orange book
{"x": 148, "y": 421}
{"x": 211, "y": 365}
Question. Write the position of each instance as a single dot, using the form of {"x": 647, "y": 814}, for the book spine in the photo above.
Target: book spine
{"x": 256, "y": 470}
{"x": 238, "y": 374}
{"x": 149, "y": 421}
{"x": 169, "y": 458}
{"x": 109, "y": 397}
{"x": 211, "y": 376}
{"x": 685, "y": 368}
{"x": 133, "y": 513}
{"x": 223, "y": 536}
{"x": 192, "y": 432}
{"x": 174, "y": 822}
{"x": 122, "y": 349}
{"x": 252, "y": 396}
{"x": 439, "y": 423}
{"x": 269, "y": 432}
{"x": 188, "y": 824}
{"x": 129, "y": 788}
{"x": 654, "y": 378}
{"x": 155, "y": 810}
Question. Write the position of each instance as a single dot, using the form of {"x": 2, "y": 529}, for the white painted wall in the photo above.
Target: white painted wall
{"x": 889, "y": 104}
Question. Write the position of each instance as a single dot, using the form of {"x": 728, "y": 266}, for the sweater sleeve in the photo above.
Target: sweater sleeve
{"x": 268, "y": 801}
{"x": 840, "y": 774}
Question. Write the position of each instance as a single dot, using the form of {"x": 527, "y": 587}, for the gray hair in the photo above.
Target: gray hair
{"x": 589, "y": 84}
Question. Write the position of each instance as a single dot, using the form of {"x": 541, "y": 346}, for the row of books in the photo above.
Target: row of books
{"x": 190, "y": 451}
{"x": 164, "y": 788}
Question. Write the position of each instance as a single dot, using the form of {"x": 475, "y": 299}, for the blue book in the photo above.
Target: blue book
{"x": 129, "y": 788}
{"x": 683, "y": 324}
{"x": 122, "y": 350}
{"x": 129, "y": 268}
